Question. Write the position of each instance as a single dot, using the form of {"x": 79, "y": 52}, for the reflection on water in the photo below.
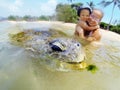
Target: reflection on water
{"x": 20, "y": 72}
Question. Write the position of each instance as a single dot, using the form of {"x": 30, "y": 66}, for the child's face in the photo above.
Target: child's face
{"x": 84, "y": 15}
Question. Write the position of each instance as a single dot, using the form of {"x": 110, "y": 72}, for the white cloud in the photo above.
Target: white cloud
{"x": 22, "y": 7}
{"x": 12, "y": 6}
{"x": 48, "y": 8}
{"x": 15, "y": 7}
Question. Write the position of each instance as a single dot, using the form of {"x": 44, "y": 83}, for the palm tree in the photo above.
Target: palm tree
{"x": 91, "y": 4}
{"x": 76, "y": 6}
{"x": 107, "y": 3}
{"x": 70, "y": 0}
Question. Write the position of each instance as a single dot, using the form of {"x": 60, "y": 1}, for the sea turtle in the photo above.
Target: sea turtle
{"x": 51, "y": 47}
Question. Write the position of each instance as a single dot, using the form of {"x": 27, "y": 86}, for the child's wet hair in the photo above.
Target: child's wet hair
{"x": 85, "y": 8}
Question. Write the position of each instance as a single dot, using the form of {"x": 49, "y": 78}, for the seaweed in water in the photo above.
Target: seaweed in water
{"x": 92, "y": 68}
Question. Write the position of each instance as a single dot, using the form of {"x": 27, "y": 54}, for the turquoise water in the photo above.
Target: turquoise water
{"x": 18, "y": 71}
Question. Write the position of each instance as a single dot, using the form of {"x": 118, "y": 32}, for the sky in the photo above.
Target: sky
{"x": 47, "y": 7}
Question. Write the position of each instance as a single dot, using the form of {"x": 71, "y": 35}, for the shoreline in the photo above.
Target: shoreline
{"x": 105, "y": 33}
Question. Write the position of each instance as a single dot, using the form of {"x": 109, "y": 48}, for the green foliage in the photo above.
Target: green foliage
{"x": 91, "y": 4}
{"x": 76, "y": 5}
{"x": 11, "y": 17}
{"x": 103, "y": 25}
{"x": 27, "y": 17}
{"x": 113, "y": 28}
{"x": 107, "y": 3}
{"x": 65, "y": 13}
{"x": 46, "y": 18}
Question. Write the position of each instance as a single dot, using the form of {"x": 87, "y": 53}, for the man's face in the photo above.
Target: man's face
{"x": 96, "y": 15}
{"x": 95, "y": 18}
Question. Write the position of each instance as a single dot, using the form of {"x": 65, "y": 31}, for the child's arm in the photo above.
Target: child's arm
{"x": 86, "y": 27}
{"x": 78, "y": 30}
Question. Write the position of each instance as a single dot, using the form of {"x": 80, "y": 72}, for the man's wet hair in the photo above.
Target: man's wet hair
{"x": 85, "y": 8}
{"x": 99, "y": 11}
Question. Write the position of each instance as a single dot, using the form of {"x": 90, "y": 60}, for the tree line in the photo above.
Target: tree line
{"x": 29, "y": 18}
{"x": 66, "y": 13}
{"x": 114, "y": 28}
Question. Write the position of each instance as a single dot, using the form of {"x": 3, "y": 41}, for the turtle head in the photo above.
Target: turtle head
{"x": 67, "y": 50}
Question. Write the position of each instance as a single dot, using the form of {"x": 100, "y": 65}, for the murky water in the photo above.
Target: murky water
{"x": 20, "y": 72}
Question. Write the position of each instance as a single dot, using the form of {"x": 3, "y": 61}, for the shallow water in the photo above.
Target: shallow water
{"x": 18, "y": 71}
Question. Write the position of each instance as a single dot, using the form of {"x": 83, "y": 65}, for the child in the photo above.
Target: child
{"x": 89, "y": 29}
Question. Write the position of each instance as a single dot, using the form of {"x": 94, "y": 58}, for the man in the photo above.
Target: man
{"x": 94, "y": 20}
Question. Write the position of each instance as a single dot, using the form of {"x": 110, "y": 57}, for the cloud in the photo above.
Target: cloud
{"x": 25, "y": 7}
{"x": 11, "y": 6}
{"x": 16, "y": 5}
{"x": 48, "y": 8}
